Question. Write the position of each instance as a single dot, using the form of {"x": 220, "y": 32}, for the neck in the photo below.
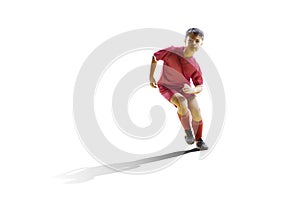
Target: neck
{"x": 187, "y": 53}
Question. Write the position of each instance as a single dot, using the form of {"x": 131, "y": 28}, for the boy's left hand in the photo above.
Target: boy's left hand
{"x": 189, "y": 90}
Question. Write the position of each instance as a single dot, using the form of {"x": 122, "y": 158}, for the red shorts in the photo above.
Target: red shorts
{"x": 168, "y": 92}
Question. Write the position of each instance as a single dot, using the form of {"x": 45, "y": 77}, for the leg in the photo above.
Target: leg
{"x": 194, "y": 108}
{"x": 197, "y": 123}
{"x": 182, "y": 105}
{"x": 180, "y": 102}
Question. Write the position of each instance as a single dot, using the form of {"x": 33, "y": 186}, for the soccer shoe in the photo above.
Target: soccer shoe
{"x": 201, "y": 145}
{"x": 189, "y": 137}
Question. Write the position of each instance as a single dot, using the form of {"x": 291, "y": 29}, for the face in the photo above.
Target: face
{"x": 193, "y": 43}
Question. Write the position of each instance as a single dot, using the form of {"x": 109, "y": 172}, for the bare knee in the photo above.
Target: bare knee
{"x": 181, "y": 103}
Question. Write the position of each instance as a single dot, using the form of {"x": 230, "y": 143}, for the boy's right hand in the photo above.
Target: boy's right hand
{"x": 153, "y": 82}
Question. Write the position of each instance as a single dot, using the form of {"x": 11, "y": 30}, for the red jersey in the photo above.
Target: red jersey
{"x": 178, "y": 70}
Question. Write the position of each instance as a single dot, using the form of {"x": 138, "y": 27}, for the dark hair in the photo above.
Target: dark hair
{"x": 195, "y": 31}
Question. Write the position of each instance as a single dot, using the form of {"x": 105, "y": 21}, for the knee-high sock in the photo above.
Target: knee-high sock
{"x": 197, "y": 127}
{"x": 185, "y": 121}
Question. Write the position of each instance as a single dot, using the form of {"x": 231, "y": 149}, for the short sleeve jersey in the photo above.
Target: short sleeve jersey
{"x": 178, "y": 70}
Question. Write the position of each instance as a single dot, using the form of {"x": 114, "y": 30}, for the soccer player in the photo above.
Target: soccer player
{"x": 179, "y": 68}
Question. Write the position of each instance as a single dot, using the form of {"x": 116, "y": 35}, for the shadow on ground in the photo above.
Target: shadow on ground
{"x": 89, "y": 173}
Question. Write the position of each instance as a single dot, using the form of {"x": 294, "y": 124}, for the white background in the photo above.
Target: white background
{"x": 254, "y": 45}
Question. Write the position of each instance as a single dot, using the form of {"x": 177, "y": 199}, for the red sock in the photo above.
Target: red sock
{"x": 197, "y": 127}
{"x": 185, "y": 121}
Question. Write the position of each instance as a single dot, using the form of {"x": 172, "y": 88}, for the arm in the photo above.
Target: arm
{"x": 198, "y": 82}
{"x": 152, "y": 69}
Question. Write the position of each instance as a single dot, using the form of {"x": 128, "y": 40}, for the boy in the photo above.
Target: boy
{"x": 174, "y": 84}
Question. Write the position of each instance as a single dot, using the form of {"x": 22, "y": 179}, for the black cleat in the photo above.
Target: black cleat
{"x": 201, "y": 145}
{"x": 189, "y": 137}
